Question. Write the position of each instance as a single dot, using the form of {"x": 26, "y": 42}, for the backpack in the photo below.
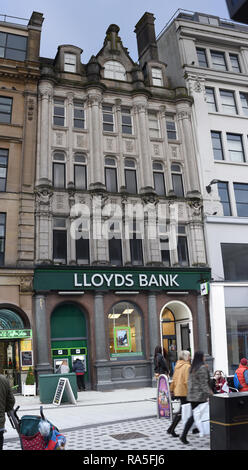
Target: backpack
{"x": 236, "y": 381}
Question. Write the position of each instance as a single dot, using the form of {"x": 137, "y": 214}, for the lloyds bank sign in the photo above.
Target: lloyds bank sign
{"x": 70, "y": 279}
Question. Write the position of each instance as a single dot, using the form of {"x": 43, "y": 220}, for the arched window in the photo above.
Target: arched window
{"x": 111, "y": 175}
{"x": 177, "y": 179}
{"x": 125, "y": 331}
{"x": 9, "y": 320}
{"x": 114, "y": 70}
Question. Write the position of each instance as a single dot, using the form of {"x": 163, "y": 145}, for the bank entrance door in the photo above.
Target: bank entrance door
{"x": 69, "y": 337}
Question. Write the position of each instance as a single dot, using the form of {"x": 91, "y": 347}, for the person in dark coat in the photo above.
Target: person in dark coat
{"x": 7, "y": 401}
{"x": 198, "y": 388}
{"x": 160, "y": 364}
{"x": 79, "y": 369}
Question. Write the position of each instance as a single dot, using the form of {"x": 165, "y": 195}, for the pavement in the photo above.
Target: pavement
{"x": 113, "y": 420}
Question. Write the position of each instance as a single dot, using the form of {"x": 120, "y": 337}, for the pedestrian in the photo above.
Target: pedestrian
{"x": 172, "y": 357}
{"x": 218, "y": 382}
{"x": 7, "y": 401}
{"x": 160, "y": 363}
{"x": 242, "y": 373}
{"x": 179, "y": 386}
{"x": 198, "y": 388}
{"x": 64, "y": 368}
{"x": 79, "y": 369}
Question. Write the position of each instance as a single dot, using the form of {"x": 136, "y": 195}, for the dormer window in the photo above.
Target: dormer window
{"x": 157, "y": 77}
{"x": 114, "y": 70}
{"x": 69, "y": 62}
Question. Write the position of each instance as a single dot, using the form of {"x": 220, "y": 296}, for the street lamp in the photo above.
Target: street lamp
{"x": 208, "y": 187}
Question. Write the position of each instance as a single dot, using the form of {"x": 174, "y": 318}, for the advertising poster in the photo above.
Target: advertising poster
{"x": 164, "y": 398}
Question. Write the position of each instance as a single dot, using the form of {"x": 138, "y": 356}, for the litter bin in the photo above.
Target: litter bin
{"x": 48, "y": 384}
{"x": 229, "y": 421}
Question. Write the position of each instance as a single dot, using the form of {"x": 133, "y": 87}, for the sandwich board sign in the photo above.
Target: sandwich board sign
{"x": 164, "y": 408}
{"x": 63, "y": 384}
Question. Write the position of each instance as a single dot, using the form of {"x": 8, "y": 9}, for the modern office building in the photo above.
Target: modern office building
{"x": 120, "y": 251}
{"x": 209, "y": 56}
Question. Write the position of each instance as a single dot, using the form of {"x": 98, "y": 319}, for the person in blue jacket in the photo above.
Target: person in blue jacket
{"x": 79, "y": 369}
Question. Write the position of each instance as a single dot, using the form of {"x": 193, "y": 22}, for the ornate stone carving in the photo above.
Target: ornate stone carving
{"x": 26, "y": 284}
{"x": 43, "y": 195}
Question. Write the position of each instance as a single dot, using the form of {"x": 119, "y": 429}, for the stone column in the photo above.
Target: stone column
{"x": 43, "y": 365}
{"x": 153, "y": 329}
{"x": 103, "y": 371}
{"x": 203, "y": 331}
{"x": 45, "y": 93}
{"x": 184, "y": 117}
{"x": 144, "y": 144}
{"x": 97, "y": 167}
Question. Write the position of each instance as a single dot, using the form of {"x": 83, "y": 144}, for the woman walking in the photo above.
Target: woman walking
{"x": 198, "y": 388}
{"x": 160, "y": 364}
{"x": 179, "y": 386}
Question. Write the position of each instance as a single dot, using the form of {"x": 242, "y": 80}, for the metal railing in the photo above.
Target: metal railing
{"x": 4, "y": 17}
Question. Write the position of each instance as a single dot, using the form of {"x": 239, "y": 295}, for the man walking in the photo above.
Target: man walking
{"x": 7, "y": 401}
{"x": 242, "y": 374}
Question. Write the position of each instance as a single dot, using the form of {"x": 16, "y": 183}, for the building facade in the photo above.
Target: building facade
{"x": 120, "y": 251}
{"x": 209, "y": 56}
{"x": 19, "y": 74}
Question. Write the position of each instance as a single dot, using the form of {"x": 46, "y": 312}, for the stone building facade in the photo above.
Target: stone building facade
{"x": 19, "y": 74}
{"x": 120, "y": 248}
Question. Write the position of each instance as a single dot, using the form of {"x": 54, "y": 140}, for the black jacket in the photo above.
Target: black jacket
{"x": 78, "y": 367}
{"x": 7, "y": 399}
{"x": 160, "y": 365}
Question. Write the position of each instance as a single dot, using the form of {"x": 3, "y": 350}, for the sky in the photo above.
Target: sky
{"x": 83, "y": 23}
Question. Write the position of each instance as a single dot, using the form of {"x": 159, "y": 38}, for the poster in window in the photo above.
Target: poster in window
{"x": 26, "y": 358}
{"x": 122, "y": 337}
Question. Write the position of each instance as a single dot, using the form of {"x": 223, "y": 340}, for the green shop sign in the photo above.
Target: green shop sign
{"x": 15, "y": 334}
{"x": 69, "y": 279}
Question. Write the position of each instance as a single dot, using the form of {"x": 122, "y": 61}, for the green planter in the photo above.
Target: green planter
{"x": 48, "y": 384}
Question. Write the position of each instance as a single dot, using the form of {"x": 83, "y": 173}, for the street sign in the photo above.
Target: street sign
{"x": 204, "y": 288}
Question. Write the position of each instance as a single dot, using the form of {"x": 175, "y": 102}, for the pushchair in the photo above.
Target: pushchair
{"x": 36, "y": 432}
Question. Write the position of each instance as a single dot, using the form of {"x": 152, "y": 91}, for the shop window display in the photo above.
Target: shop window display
{"x": 237, "y": 336}
{"x": 125, "y": 331}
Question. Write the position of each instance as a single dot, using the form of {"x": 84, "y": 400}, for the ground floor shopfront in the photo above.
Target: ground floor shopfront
{"x": 229, "y": 324}
{"x": 113, "y": 319}
{"x": 16, "y": 339}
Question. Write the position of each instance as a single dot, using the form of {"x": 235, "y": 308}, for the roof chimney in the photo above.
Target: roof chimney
{"x": 146, "y": 39}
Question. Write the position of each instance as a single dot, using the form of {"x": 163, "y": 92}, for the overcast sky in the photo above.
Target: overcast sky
{"x": 83, "y": 23}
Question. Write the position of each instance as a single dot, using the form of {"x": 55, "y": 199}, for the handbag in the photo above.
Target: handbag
{"x": 201, "y": 418}
{"x": 186, "y": 412}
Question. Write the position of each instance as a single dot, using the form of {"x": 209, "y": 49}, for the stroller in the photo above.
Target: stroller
{"x": 36, "y": 432}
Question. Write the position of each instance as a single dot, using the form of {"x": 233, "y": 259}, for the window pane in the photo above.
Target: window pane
{"x": 136, "y": 251}
{"x": 5, "y": 109}
{"x": 217, "y": 145}
{"x": 235, "y": 63}
{"x": 210, "y": 98}
{"x": 182, "y": 251}
{"x": 171, "y": 130}
{"x": 59, "y": 175}
{"x": 177, "y": 183}
{"x": 235, "y": 146}
{"x": 159, "y": 185}
{"x": 15, "y": 54}
{"x": 83, "y": 251}
{"x": 125, "y": 331}
{"x": 244, "y": 103}
{"x": 165, "y": 252}
{"x": 115, "y": 252}
{"x": 111, "y": 179}
{"x": 218, "y": 60}
{"x": 224, "y": 198}
{"x": 16, "y": 42}
{"x": 114, "y": 70}
{"x": 237, "y": 335}
{"x": 241, "y": 197}
{"x": 60, "y": 245}
{"x": 80, "y": 176}
{"x": 228, "y": 102}
{"x": 131, "y": 183}
{"x": 202, "y": 58}
{"x": 235, "y": 259}
{"x": 3, "y": 38}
